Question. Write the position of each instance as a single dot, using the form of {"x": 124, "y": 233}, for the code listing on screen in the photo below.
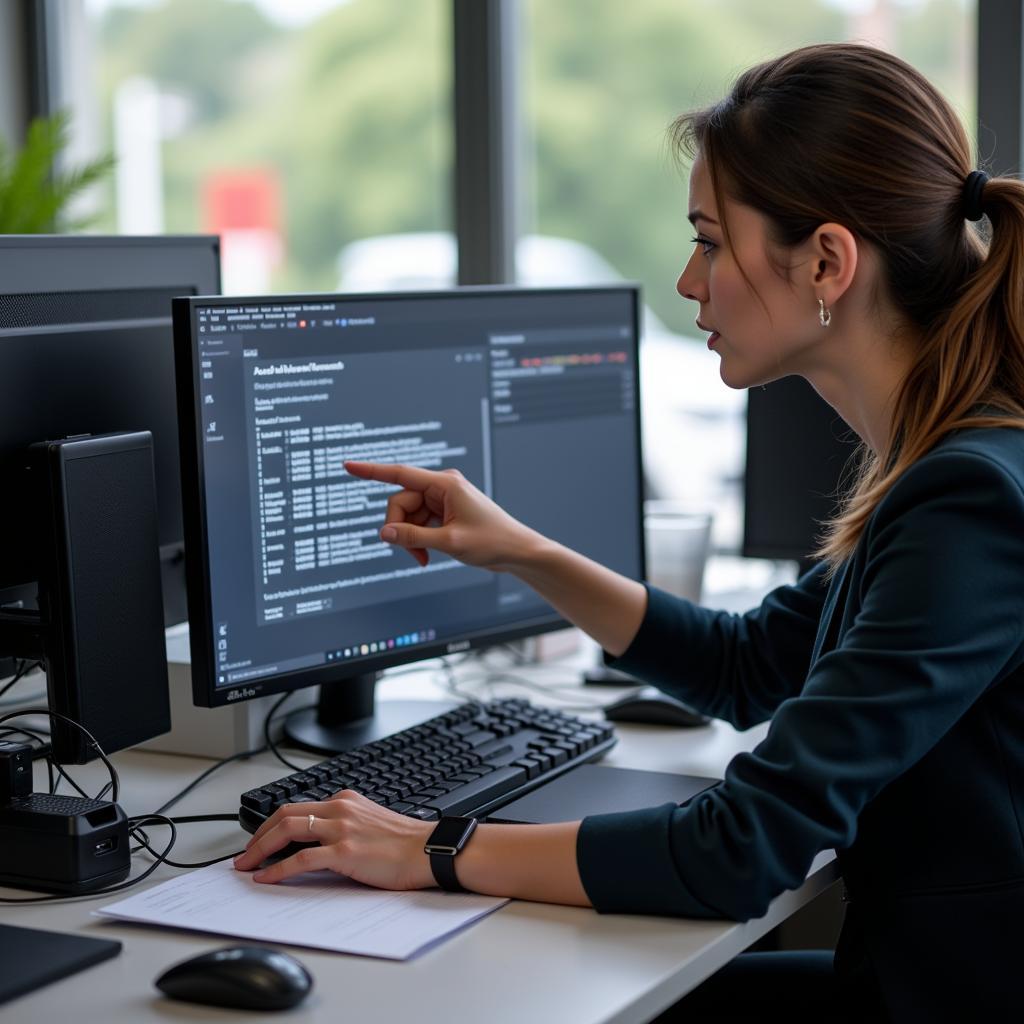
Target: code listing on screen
{"x": 532, "y": 398}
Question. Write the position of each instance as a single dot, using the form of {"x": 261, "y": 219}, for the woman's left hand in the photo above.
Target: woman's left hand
{"x": 358, "y": 838}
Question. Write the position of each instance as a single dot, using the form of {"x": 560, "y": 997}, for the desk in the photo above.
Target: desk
{"x": 527, "y": 962}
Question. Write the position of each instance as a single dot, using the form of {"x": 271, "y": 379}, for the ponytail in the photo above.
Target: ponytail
{"x": 968, "y": 371}
{"x": 848, "y": 133}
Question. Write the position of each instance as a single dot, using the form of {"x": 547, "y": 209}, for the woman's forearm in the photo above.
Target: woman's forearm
{"x": 527, "y": 862}
{"x": 605, "y": 605}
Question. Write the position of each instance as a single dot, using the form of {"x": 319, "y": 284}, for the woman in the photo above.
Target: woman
{"x": 833, "y": 196}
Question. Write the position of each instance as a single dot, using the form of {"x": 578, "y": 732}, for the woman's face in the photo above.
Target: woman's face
{"x": 760, "y": 333}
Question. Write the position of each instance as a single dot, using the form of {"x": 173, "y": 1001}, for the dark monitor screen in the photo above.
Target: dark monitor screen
{"x": 531, "y": 394}
{"x": 798, "y": 452}
{"x": 86, "y": 348}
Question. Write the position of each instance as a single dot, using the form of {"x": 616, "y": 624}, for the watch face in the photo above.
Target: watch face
{"x": 451, "y": 833}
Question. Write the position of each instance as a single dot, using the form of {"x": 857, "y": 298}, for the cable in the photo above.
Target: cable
{"x": 160, "y": 857}
{"x": 491, "y": 678}
{"x": 115, "y": 783}
{"x": 135, "y": 824}
{"x": 143, "y": 838}
{"x": 548, "y": 691}
{"x": 209, "y": 771}
{"x": 271, "y": 745}
{"x": 44, "y": 747}
{"x": 74, "y": 785}
{"x": 23, "y": 669}
{"x": 274, "y": 747}
{"x": 99, "y": 893}
{"x": 164, "y": 859}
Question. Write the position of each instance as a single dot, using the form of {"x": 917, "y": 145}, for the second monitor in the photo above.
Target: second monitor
{"x": 531, "y": 394}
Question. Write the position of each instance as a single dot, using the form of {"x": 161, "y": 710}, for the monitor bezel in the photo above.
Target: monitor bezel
{"x": 205, "y": 693}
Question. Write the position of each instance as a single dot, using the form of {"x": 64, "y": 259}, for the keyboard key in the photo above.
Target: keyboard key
{"x": 483, "y": 791}
{"x": 424, "y": 813}
{"x": 491, "y": 751}
{"x": 479, "y": 737}
{"x": 531, "y": 767}
{"x": 258, "y": 800}
{"x": 571, "y": 749}
{"x": 418, "y": 799}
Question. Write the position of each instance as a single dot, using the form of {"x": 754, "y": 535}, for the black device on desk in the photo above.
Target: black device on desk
{"x": 648, "y": 705}
{"x": 32, "y": 958}
{"x": 88, "y": 432}
{"x": 532, "y": 394}
{"x": 239, "y": 977}
{"x": 86, "y": 348}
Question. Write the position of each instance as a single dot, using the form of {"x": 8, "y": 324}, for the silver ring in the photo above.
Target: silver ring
{"x": 309, "y": 827}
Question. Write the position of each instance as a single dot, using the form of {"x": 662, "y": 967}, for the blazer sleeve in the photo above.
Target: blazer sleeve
{"x": 736, "y": 667}
{"x": 941, "y": 603}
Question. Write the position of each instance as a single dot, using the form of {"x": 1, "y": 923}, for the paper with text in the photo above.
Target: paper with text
{"x": 321, "y": 910}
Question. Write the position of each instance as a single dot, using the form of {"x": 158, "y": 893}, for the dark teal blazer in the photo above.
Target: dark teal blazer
{"x": 896, "y": 699}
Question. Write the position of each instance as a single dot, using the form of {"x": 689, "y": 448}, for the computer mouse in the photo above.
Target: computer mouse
{"x": 240, "y": 977}
{"x": 649, "y": 706}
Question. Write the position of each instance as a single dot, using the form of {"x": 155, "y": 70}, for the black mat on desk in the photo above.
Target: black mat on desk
{"x": 598, "y": 789}
{"x": 33, "y": 958}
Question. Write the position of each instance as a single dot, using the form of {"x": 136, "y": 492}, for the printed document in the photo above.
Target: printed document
{"x": 321, "y": 910}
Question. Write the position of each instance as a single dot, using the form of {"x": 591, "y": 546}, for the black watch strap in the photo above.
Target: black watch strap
{"x": 443, "y": 866}
{"x": 444, "y": 844}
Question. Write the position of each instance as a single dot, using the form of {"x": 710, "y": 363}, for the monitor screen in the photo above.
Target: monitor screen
{"x": 531, "y": 394}
{"x": 798, "y": 456}
{"x": 86, "y": 348}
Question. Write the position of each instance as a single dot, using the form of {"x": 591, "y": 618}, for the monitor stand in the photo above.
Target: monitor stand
{"x": 347, "y": 716}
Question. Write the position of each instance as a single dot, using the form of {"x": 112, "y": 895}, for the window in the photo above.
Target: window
{"x": 290, "y": 127}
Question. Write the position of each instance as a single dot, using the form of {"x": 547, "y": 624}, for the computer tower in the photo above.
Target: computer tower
{"x": 100, "y": 600}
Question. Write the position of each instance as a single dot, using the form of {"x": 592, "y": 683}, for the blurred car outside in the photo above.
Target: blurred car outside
{"x": 693, "y": 424}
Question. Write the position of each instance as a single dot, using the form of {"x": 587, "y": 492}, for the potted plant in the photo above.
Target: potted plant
{"x": 33, "y": 193}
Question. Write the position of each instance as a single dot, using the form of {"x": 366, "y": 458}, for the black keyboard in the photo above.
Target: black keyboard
{"x": 469, "y": 761}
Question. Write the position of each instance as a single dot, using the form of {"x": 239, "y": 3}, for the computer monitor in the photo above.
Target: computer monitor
{"x": 799, "y": 452}
{"x": 86, "y": 348}
{"x": 531, "y": 394}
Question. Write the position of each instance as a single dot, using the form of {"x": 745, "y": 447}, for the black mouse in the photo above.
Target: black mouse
{"x": 241, "y": 977}
{"x": 649, "y": 706}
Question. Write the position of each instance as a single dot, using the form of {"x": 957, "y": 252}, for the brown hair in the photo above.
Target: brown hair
{"x": 848, "y": 133}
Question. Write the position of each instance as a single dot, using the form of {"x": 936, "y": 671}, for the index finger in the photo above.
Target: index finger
{"x": 412, "y": 477}
{"x": 302, "y": 810}
{"x": 289, "y": 830}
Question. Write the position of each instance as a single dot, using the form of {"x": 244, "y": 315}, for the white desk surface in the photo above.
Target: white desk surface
{"x": 526, "y": 962}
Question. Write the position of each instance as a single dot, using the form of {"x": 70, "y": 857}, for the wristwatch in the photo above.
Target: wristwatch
{"x": 450, "y": 836}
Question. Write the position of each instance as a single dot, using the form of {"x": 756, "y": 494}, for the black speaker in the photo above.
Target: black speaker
{"x": 100, "y": 597}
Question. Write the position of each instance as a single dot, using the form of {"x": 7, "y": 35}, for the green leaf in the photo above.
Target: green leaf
{"x": 33, "y": 193}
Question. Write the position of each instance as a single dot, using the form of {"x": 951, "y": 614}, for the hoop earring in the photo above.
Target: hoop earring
{"x": 824, "y": 315}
